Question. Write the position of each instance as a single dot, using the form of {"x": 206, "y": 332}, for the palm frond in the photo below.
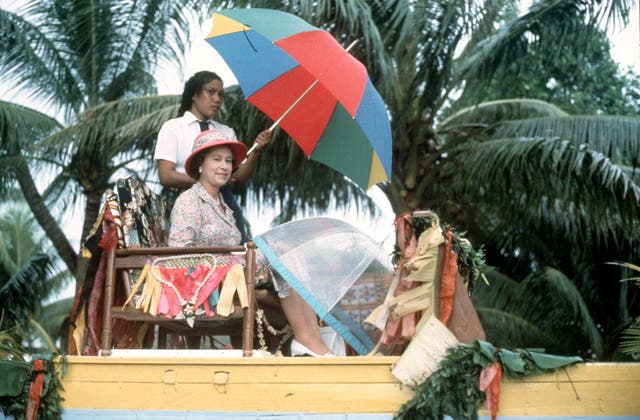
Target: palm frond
{"x": 42, "y": 337}
{"x": 492, "y": 112}
{"x": 555, "y": 23}
{"x": 563, "y": 300}
{"x": 31, "y": 59}
{"x": 81, "y": 54}
{"x": 506, "y": 329}
{"x": 584, "y": 195}
{"x": 614, "y": 136}
{"x": 24, "y": 290}
{"x": 629, "y": 266}
{"x": 17, "y": 242}
{"x": 21, "y": 124}
{"x": 498, "y": 293}
{"x": 52, "y": 316}
{"x": 105, "y": 128}
{"x": 546, "y": 303}
{"x": 20, "y": 127}
{"x": 630, "y": 341}
{"x": 10, "y": 347}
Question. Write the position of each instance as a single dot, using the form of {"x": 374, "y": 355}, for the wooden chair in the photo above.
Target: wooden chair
{"x": 120, "y": 260}
{"x": 142, "y": 224}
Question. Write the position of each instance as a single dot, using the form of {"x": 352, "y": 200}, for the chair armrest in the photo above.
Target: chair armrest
{"x": 121, "y": 252}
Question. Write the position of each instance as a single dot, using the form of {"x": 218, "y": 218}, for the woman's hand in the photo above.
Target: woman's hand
{"x": 243, "y": 173}
{"x": 262, "y": 139}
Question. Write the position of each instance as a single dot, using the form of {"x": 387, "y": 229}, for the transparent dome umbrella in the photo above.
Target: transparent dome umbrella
{"x": 340, "y": 271}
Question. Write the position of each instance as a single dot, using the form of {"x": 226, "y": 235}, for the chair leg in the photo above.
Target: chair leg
{"x": 162, "y": 338}
{"x": 237, "y": 341}
{"x": 250, "y": 312}
{"x": 193, "y": 341}
{"x": 109, "y": 292}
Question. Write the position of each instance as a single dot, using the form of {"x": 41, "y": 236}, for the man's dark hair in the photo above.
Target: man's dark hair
{"x": 193, "y": 86}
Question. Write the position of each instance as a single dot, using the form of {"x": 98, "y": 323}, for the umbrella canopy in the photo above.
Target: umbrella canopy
{"x": 340, "y": 271}
{"x": 338, "y": 119}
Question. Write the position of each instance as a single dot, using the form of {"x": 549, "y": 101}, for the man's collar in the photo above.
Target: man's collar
{"x": 191, "y": 118}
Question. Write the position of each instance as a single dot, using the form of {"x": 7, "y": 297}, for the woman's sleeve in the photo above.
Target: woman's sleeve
{"x": 167, "y": 143}
{"x": 184, "y": 223}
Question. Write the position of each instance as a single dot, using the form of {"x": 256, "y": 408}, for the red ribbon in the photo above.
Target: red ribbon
{"x": 448, "y": 279}
{"x": 35, "y": 392}
{"x": 399, "y": 329}
{"x": 490, "y": 384}
{"x": 405, "y": 238}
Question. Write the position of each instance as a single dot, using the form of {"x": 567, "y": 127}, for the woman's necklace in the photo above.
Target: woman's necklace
{"x": 218, "y": 202}
{"x": 189, "y": 311}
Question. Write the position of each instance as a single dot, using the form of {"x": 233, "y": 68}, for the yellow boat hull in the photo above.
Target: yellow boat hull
{"x": 314, "y": 386}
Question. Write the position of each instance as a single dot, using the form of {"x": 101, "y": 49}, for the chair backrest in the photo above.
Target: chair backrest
{"x": 144, "y": 215}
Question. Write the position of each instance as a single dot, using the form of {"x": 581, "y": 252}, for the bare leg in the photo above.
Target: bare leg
{"x": 303, "y": 322}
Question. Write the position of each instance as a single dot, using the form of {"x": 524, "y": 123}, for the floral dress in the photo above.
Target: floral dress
{"x": 198, "y": 220}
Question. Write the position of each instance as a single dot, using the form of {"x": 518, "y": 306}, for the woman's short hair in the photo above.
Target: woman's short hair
{"x": 194, "y": 85}
{"x": 196, "y": 163}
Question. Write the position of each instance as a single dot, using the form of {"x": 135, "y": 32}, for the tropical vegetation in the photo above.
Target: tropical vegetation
{"x": 30, "y": 283}
{"x": 513, "y": 127}
{"x": 32, "y": 321}
{"x": 458, "y": 387}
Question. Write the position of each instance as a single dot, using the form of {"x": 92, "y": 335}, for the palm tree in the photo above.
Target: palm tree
{"x": 577, "y": 220}
{"x": 88, "y": 62}
{"x": 29, "y": 279}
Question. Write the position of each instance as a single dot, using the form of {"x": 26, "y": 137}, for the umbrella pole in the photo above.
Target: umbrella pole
{"x": 279, "y": 120}
{"x": 293, "y": 105}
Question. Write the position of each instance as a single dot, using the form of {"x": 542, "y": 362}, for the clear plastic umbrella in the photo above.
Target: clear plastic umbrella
{"x": 340, "y": 271}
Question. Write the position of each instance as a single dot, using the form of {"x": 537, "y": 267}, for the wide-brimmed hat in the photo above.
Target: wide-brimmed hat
{"x": 214, "y": 138}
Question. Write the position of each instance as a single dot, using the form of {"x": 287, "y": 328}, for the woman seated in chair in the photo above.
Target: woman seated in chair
{"x": 200, "y": 217}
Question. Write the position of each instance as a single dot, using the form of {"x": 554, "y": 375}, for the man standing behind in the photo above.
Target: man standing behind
{"x": 201, "y": 101}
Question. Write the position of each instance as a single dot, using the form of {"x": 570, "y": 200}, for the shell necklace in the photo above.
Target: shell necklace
{"x": 189, "y": 311}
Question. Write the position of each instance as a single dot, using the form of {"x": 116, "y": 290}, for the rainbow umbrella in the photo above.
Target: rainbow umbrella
{"x": 302, "y": 78}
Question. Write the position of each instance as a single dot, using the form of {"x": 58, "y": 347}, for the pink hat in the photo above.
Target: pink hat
{"x": 213, "y": 138}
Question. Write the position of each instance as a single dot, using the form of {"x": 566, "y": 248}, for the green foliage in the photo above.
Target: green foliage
{"x": 50, "y": 401}
{"x": 569, "y": 78}
{"x": 556, "y": 191}
{"x": 630, "y": 341}
{"x": 471, "y": 261}
{"x": 20, "y": 294}
{"x": 544, "y": 310}
{"x": 630, "y": 338}
{"x": 93, "y": 64}
{"x": 452, "y": 390}
{"x": 10, "y": 348}
{"x": 28, "y": 278}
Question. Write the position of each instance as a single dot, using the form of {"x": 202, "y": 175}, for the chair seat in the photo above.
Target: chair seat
{"x": 239, "y": 323}
{"x": 222, "y": 325}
